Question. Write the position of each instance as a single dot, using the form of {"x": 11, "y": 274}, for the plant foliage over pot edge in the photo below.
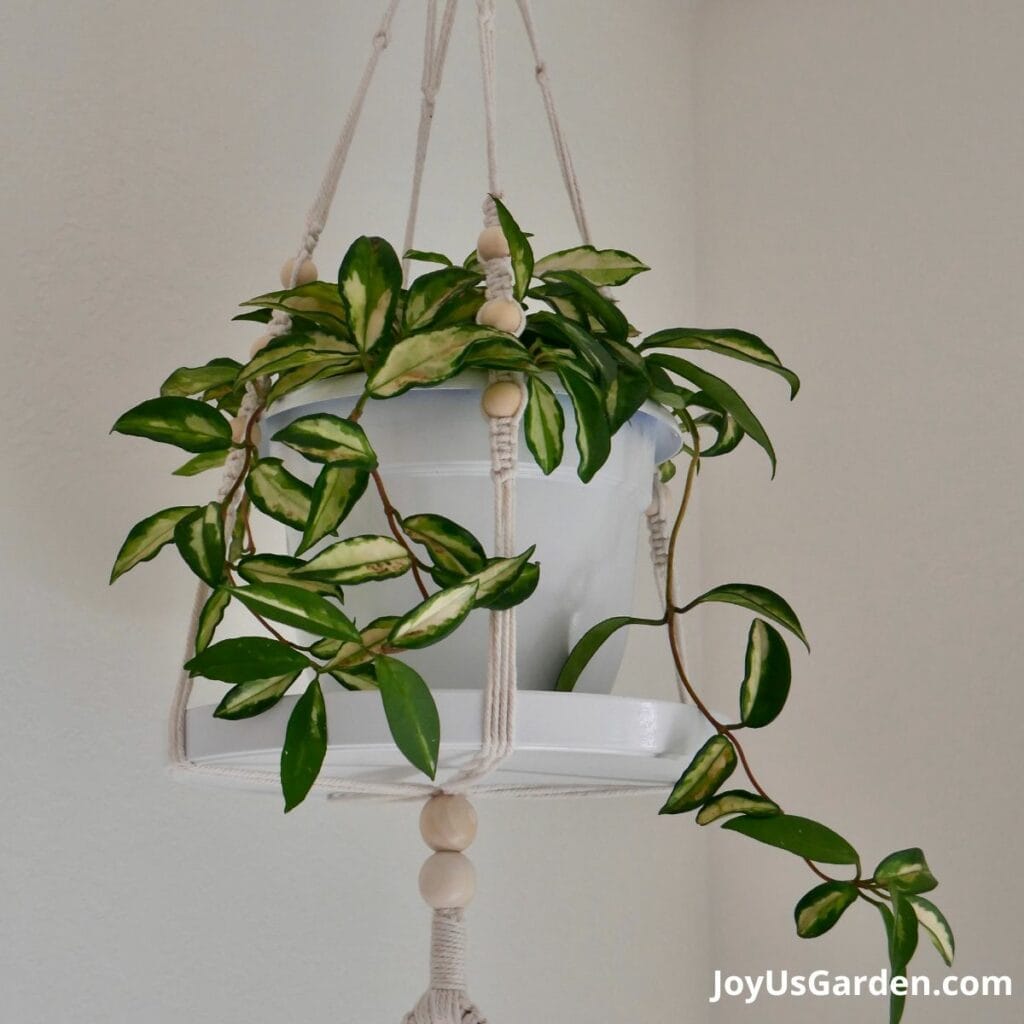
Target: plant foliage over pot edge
{"x": 417, "y": 337}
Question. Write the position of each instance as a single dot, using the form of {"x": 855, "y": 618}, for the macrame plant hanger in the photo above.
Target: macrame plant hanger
{"x": 448, "y": 822}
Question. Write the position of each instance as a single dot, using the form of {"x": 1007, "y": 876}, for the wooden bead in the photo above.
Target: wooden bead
{"x": 260, "y": 344}
{"x": 492, "y": 243}
{"x": 307, "y": 273}
{"x": 447, "y": 880}
{"x": 501, "y": 314}
{"x": 448, "y": 823}
{"x": 502, "y": 398}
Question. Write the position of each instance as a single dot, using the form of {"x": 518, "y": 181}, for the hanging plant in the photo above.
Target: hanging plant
{"x": 573, "y": 338}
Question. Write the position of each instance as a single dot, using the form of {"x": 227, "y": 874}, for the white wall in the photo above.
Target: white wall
{"x": 858, "y": 184}
{"x": 163, "y": 159}
{"x": 855, "y": 167}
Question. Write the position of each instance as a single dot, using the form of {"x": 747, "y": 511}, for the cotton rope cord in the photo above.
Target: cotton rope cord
{"x": 435, "y": 52}
{"x": 445, "y": 1001}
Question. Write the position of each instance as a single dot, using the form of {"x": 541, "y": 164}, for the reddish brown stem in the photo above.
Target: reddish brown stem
{"x": 394, "y": 524}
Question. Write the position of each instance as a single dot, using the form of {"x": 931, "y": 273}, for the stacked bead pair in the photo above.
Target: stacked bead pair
{"x": 448, "y": 826}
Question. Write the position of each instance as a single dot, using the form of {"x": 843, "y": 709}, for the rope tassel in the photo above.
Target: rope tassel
{"x": 446, "y": 1002}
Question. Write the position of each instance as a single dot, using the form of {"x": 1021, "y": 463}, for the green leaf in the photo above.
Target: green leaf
{"x": 544, "y": 425}
{"x": 736, "y": 801}
{"x": 757, "y": 599}
{"x": 246, "y": 700}
{"x": 502, "y": 352}
{"x": 146, "y": 538}
{"x": 521, "y": 588}
{"x": 728, "y": 430}
{"x": 802, "y": 836}
{"x": 601, "y": 267}
{"x": 279, "y": 494}
{"x": 589, "y": 644}
{"x": 434, "y": 618}
{"x": 425, "y": 359}
{"x": 296, "y": 607}
{"x": 724, "y": 394}
{"x": 626, "y": 393}
{"x": 729, "y": 342}
{"x": 452, "y": 547}
{"x": 518, "y": 247}
{"x": 200, "y": 541}
{"x": 427, "y": 257}
{"x": 906, "y": 870}
{"x": 821, "y": 908}
{"x": 497, "y": 575}
{"x": 335, "y": 493}
{"x": 595, "y": 353}
{"x": 202, "y": 462}
{"x": 281, "y": 569}
{"x": 372, "y": 639}
{"x": 411, "y": 713}
{"x": 369, "y": 283}
{"x": 210, "y": 618}
{"x": 322, "y": 437}
{"x": 432, "y": 293}
{"x": 242, "y": 658}
{"x": 593, "y": 436}
{"x": 932, "y": 920}
{"x": 283, "y": 353}
{"x": 710, "y": 767}
{"x": 190, "y": 380}
{"x": 768, "y": 674}
{"x": 666, "y": 470}
{"x": 321, "y": 366}
{"x": 901, "y": 930}
{"x": 592, "y": 302}
{"x": 357, "y": 559}
{"x": 305, "y": 745}
{"x": 185, "y": 422}
{"x": 317, "y": 302}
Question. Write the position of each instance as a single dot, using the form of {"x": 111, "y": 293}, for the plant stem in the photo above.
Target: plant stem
{"x": 394, "y": 523}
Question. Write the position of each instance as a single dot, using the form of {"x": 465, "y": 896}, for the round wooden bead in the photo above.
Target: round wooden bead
{"x": 501, "y": 314}
{"x": 492, "y": 243}
{"x": 448, "y": 822}
{"x": 447, "y": 880}
{"x": 307, "y": 273}
{"x": 502, "y": 398}
{"x": 260, "y": 344}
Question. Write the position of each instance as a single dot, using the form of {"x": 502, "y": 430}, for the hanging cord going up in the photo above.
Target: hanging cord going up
{"x": 435, "y": 52}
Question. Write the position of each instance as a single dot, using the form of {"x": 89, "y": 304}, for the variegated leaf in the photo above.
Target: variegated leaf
{"x": 372, "y": 641}
{"x": 431, "y": 293}
{"x": 335, "y": 493}
{"x": 906, "y": 870}
{"x": 296, "y": 607}
{"x": 317, "y": 302}
{"x": 710, "y": 767}
{"x": 281, "y": 569}
{"x": 202, "y": 462}
{"x": 148, "y": 537}
{"x": 933, "y": 921}
{"x": 279, "y": 494}
{"x": 200, "y": 541}
{"x": 452, "y": 547}
{"x": 767, "y": 677}
{"x": 423, "y": 359}
{"x": 518, "y": 247}
{"x": 544, "y": 425}
{"x": 601, "y": 267}
{"x": 191, "y": 380}
{"x": 434, "y": 618}
{"x": 593, "y": 435}
{"x": 736, "y": 801}
{"x": 757, "y": 599}
{"x": 498, "y": 574}
{"x": 369, "y": 283}
{"x": 185, "y": 422}
{"x": 358, "y": 559}
{"x": 322, "y": 437}
{"x": 210, "y": 618}
{"x": 252, "y": 698}
{"x": 821, "y": 908}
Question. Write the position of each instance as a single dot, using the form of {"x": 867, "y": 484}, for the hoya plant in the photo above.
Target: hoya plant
{"x": 397, "y": 339}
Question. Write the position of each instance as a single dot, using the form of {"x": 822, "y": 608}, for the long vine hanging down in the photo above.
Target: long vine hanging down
{"x": 400, "y": 339}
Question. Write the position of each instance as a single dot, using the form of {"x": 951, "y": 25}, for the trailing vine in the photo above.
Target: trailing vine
{"x": 578, "y": 350}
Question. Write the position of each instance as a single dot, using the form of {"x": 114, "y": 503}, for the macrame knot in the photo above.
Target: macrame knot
{"x": 541, "y": 71}
{"x": 446, "y": 1002}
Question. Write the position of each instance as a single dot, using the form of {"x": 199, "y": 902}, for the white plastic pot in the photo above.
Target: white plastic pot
{"x": 434, "y": 457}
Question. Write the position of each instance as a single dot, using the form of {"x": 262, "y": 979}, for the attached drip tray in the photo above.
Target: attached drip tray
{"x": 562, "y": 739}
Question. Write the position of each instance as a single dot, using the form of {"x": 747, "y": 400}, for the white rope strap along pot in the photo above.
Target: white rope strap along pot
{"x": 448, "y": 820}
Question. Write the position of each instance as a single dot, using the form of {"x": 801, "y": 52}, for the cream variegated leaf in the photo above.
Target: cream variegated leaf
{"x": 710, "y": 767}
{"x": 602, "y": 267}
{"x": 934, "y": 922}
{"x": 357, "y": 559}
{"x": 434, "y": 618}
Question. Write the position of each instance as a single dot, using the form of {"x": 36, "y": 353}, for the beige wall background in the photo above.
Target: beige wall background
{"x": 840, "y": 177}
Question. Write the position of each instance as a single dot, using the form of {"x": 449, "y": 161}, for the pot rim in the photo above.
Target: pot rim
{"x": 668, "y": 435}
